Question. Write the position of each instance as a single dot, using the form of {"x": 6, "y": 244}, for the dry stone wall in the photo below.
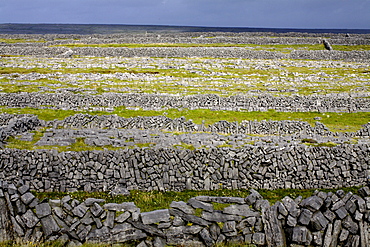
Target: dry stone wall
{"x": 324, "y": 219}
{"x": 268, "y": 167}
{"x": 107, "y": 101}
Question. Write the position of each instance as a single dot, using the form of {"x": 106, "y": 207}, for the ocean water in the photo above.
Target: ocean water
{"x": 116, "y": 29}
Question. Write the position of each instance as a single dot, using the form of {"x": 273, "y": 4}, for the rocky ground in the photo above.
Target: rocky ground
{"x": 243, "y": 72}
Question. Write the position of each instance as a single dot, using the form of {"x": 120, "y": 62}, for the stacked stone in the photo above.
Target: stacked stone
{"x": 18, "y": 124}
{"x": 268, "y": 167}
{"x": 327, "y": 219}
{"x": 284, "y": 127}
{"x": 324, "y": 219}
{"x": 324, "y": 103}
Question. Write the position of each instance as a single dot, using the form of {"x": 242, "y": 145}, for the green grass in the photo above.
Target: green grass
{"x": 154, "y": 200}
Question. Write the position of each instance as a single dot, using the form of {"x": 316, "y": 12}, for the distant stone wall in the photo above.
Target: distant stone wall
{"x": 330, "y": 103}
{"x": 216, "y": 52}
{"x": 324, "y": 219}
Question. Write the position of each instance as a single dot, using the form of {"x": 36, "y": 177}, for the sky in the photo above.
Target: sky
{"x": 341, "y": 14}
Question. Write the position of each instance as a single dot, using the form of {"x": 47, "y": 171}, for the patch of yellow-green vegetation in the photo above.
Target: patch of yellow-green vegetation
{"x": 220, "y": 206}
{"x": 351, "y": 47}
{"x": 321, "y": 144}
{"x": 154, "y": 200}
{"x": 78, "y": 146}
{"x": 15, "y": 142}
{"x": 48, "y": 114}
{"x": 184, "y": 146}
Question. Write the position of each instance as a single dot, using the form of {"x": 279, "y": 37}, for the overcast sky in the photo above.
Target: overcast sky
{"x": 222, "y": 13}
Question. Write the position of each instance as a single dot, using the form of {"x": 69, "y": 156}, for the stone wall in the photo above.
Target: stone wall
{"x": 268, "y": 167}
{"x": 219, "y": 52}
{"x": 329, "y": 103}
{"x": 324, "y": 219}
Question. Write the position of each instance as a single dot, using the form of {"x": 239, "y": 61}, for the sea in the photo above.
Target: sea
{"x": 11, "y": 28}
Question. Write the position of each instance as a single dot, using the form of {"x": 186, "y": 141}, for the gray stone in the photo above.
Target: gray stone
{"x": 341, "y": 212}
{"x": 337, "y": 205}
{"x": 184, "y": 207}
{"x": 178, "y": 221}
{"x": 159, "y": 242}
{"x": 350, "y": 225}
{"x": 364, "y": 233}
{"x": 55, "y": 203}
{"x": 87, "y": 219}
{"x": 329, "y": 215}
{"x": 317, "y": 238}
{"x": 188, "y": 217}
{"x": 291, "y": 206}
{"x": 241, "y": 210}
{"x": 128, "y": 206}
{"x": 313, "y": 203}
{"x": 252, "y": 197}
{"x": 109, "y": 222}
{"x": 90, "y": 201}
{"x": 193, "y": 229}
{"x": 122, "y": 217}
{"x": 23, "y": 189}
{"x": 49, "y": 225}
{"x": 364, "y": 191}
{"x": 147, "y": 228}
{"x": 318, "y": 221}
{"x": 229, "y": 229}
{"x": 281, "y": 209}
{"x": 155, "y": 216}
{"x": 218, "y": 216}
{"x": 274, "y": 231}
{"x": 198, "y": 204}
{"x": 83, "y": 231}
{"x": 335, "y": 234}
{"x": 343, "y": 235}
{"x": 291, "y": 221}
{"x": 305, "y": 217}
{"x": 350, "y": 206}
{"x": 262, "y": 205}
{"x": 30, "y": 219}
{"x": 99, "y": 235}
{"x": 214, "y": 231}
{"x": 301, "y": 235}
{"x": 27, "y": 198}
{"x": 43, "y": 209}
{"x": 96, "y": 209}
{"x": 17, "y": 228}
{"x": 258, "y": 238}
{"x": 360, "y": 203}
{"x": 358, "y": 216}
{"x": 204, "y": 234}
{"x": 80, "y": 210}
{"x": 217, "y": 199}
